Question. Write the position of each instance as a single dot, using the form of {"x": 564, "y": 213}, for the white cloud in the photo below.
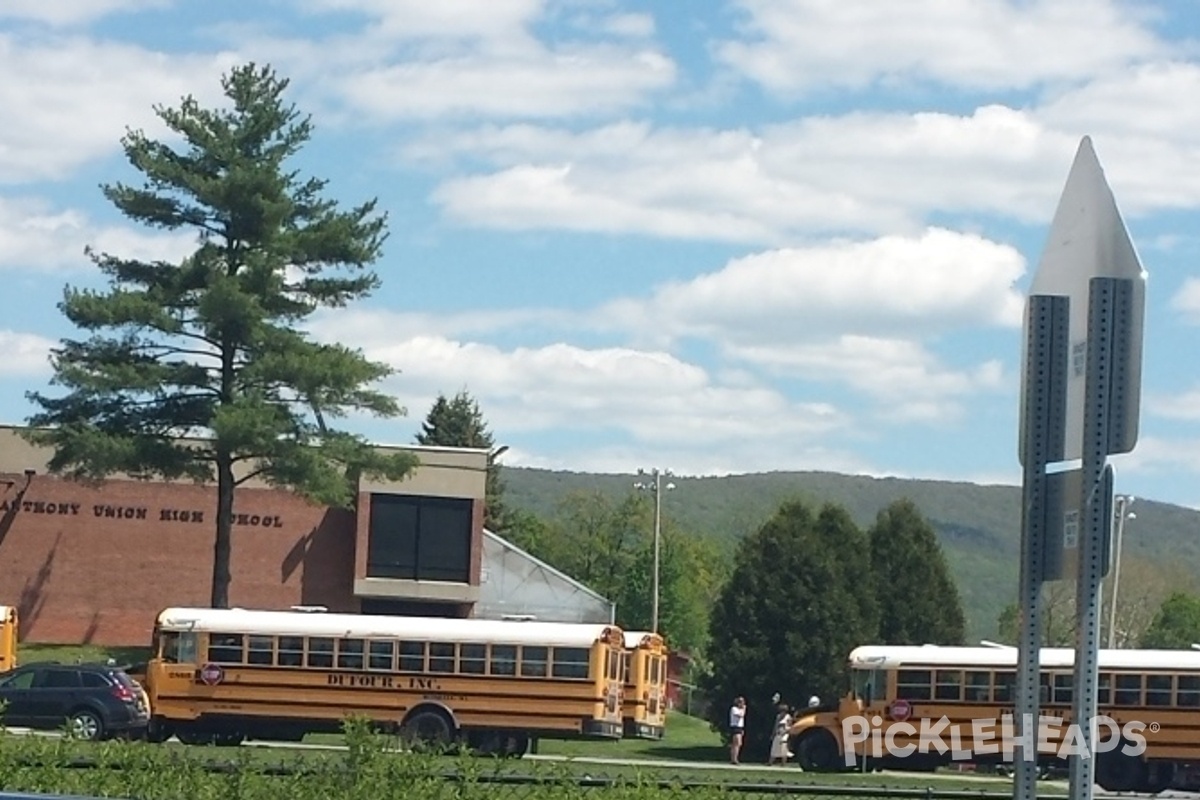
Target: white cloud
{"x": 62, "y": 110}
{"x": 24, "y": 353}
{"x": 892, "y": 285}
{"x": 632, "y": 25}
{"x": 478, "y": 20}
{"x": 797, "y": 45}
{"x": 415, "y": 60}
{"x": 850, "y": 174}
{"x": 71, "y": 12}
{"x": 1184, "y": 406}
{"x": 653, "y": 397}
{"x": 569, "y": 80}
{"x": 35, "y": 236}
{"x": 1187, "y": 300}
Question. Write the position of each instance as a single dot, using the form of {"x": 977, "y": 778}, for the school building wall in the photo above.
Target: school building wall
{"x": 96, "y": 563}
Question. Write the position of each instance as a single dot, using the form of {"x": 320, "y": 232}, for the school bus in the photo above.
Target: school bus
{"x": 644, "y": 702}
{"x": 1151, "y": 695}
{"x": 224, "y": 675}
{"x": 8, "y": 638}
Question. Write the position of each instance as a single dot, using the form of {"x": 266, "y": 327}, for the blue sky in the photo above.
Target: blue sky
{"x": 718, "y": 237}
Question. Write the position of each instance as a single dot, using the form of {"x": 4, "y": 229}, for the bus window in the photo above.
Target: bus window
{"x": 168, "y": 647}
{"x": 320, "y": 652}
{"x": 350, "y": 653}
{"x": 225, "y": 648}
{"x": 949, "y": 685}
{"x": 1063, "y": 688}
{"x": 412, "y": 656}
{"x": 291, "y": 651}
{"x": 260, "y": 650}
{"x": 1003, "y": 687}
{"x": 533, "y": 661}
{"x": 1128, "y": 691}
{"x": 1187, "y": 694}
{"x": 504, "y": 659}
{"x": 570, "y": 662}
{"x": 381, "y": 655}
{"x": 1104, "y": 689}
{"x": 978, "y": 687}
{"x": 441, "y": 657}
{"x": 913, "y": 684}
{"x": 1158, "y": 690}
{"x": 472, "y": 659}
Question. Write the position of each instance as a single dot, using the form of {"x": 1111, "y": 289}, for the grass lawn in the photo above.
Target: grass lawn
{"x": 28, "y": 653}
{"x": 686, "y": 739}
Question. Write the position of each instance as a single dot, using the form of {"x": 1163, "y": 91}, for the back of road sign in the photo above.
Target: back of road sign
{"x": 1088, "y": 239}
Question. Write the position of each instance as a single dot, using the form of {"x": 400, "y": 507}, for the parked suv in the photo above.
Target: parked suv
{"x": 92, "y": 700}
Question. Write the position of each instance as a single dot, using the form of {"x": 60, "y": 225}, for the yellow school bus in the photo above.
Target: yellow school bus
{"x": 644, "y": 704}
{"x": 964, "y": 699}
{"x": 225, "y": 675}
{"x": 8, "y": 637}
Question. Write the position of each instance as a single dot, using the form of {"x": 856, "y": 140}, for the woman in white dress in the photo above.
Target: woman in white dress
{"x": 779, "y": 738}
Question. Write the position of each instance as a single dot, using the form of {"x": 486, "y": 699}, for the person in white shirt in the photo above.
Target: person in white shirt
{"x": 737, "y": 728}
{"x": 779, "y": 738}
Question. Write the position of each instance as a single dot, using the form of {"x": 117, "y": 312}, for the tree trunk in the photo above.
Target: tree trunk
{"x": 223, "y": 546}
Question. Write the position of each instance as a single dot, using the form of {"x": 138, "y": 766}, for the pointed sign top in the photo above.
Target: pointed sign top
{"x": 1088, "y": 239}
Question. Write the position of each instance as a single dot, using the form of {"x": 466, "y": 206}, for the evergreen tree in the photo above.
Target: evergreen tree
{"x": 1176, "y": 626}
{"x": 798, "y": 600}
{"x": 918, "y": 600}
{"x": 459, "y": 422}
{"x": 210, "y": 348}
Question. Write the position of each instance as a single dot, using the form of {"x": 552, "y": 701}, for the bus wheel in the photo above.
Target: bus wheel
{"x": 817, "y": 751}
{"x": 1119, "y": 772}
{"x": 428, "y": 728}
{"x": 158, "y": 731}
{"x": 516, "y": 745}
{"x": 228, "y": 739}
{"x": 1159, "y": 776}
{"x": 488, "y": 743}
{"x": 193, "y": 737}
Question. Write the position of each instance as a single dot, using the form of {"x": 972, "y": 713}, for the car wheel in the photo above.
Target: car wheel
{"x": 86, "y": 725}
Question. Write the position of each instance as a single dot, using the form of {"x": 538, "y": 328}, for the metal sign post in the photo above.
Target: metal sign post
{"x": 1109, "y": 312}
{"x": 1043, "y": 410}
{"x": 1090, "y": 265}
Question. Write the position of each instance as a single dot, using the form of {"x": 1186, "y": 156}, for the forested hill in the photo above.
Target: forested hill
{"x": 979, "y": 526}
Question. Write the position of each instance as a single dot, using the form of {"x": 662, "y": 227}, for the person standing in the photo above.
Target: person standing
{"x": 737, "y": 728}
{"x": 779, "y": 737}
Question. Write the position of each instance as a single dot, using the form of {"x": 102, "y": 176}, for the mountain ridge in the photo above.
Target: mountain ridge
{"x": 978, "y": 525}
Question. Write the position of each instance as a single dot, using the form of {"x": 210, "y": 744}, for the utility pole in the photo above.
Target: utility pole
{"x": 657, "y": 488}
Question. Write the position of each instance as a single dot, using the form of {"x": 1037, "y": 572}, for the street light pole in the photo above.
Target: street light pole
{"x": 1123, "y": 502}
{"x": 657, "y": 488}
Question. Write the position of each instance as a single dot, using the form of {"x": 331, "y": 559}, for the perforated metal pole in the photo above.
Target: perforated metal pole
{"x": 1109, "y": 309}
{"x": 1044, "y": 414}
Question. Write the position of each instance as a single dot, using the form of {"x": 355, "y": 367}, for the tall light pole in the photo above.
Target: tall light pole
{"x": 1121, "y": 511}
{"x": 655, "y": 486}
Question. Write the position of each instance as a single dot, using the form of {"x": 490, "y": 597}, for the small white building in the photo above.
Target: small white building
{"x": 515, "y": 584}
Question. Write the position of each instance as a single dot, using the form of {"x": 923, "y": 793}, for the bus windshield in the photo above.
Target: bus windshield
{"x": 868, "y": 685}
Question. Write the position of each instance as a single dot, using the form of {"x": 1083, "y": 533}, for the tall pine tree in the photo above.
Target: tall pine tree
{"x": 918, "y": 600}
{"x": 799, "y": 599}
{"x": 209, "y": 348}
{"x": 458, "y": 422}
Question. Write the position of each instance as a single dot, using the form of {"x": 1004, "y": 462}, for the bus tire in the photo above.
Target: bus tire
{"x": 428, "y": 727}
{"x": 817, "y": 751}
{"x": 516, "y": 745}
{"x": 1120, "y": 772}
{"x": 158, "y": 731}
{"x": 194, "y": 737}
